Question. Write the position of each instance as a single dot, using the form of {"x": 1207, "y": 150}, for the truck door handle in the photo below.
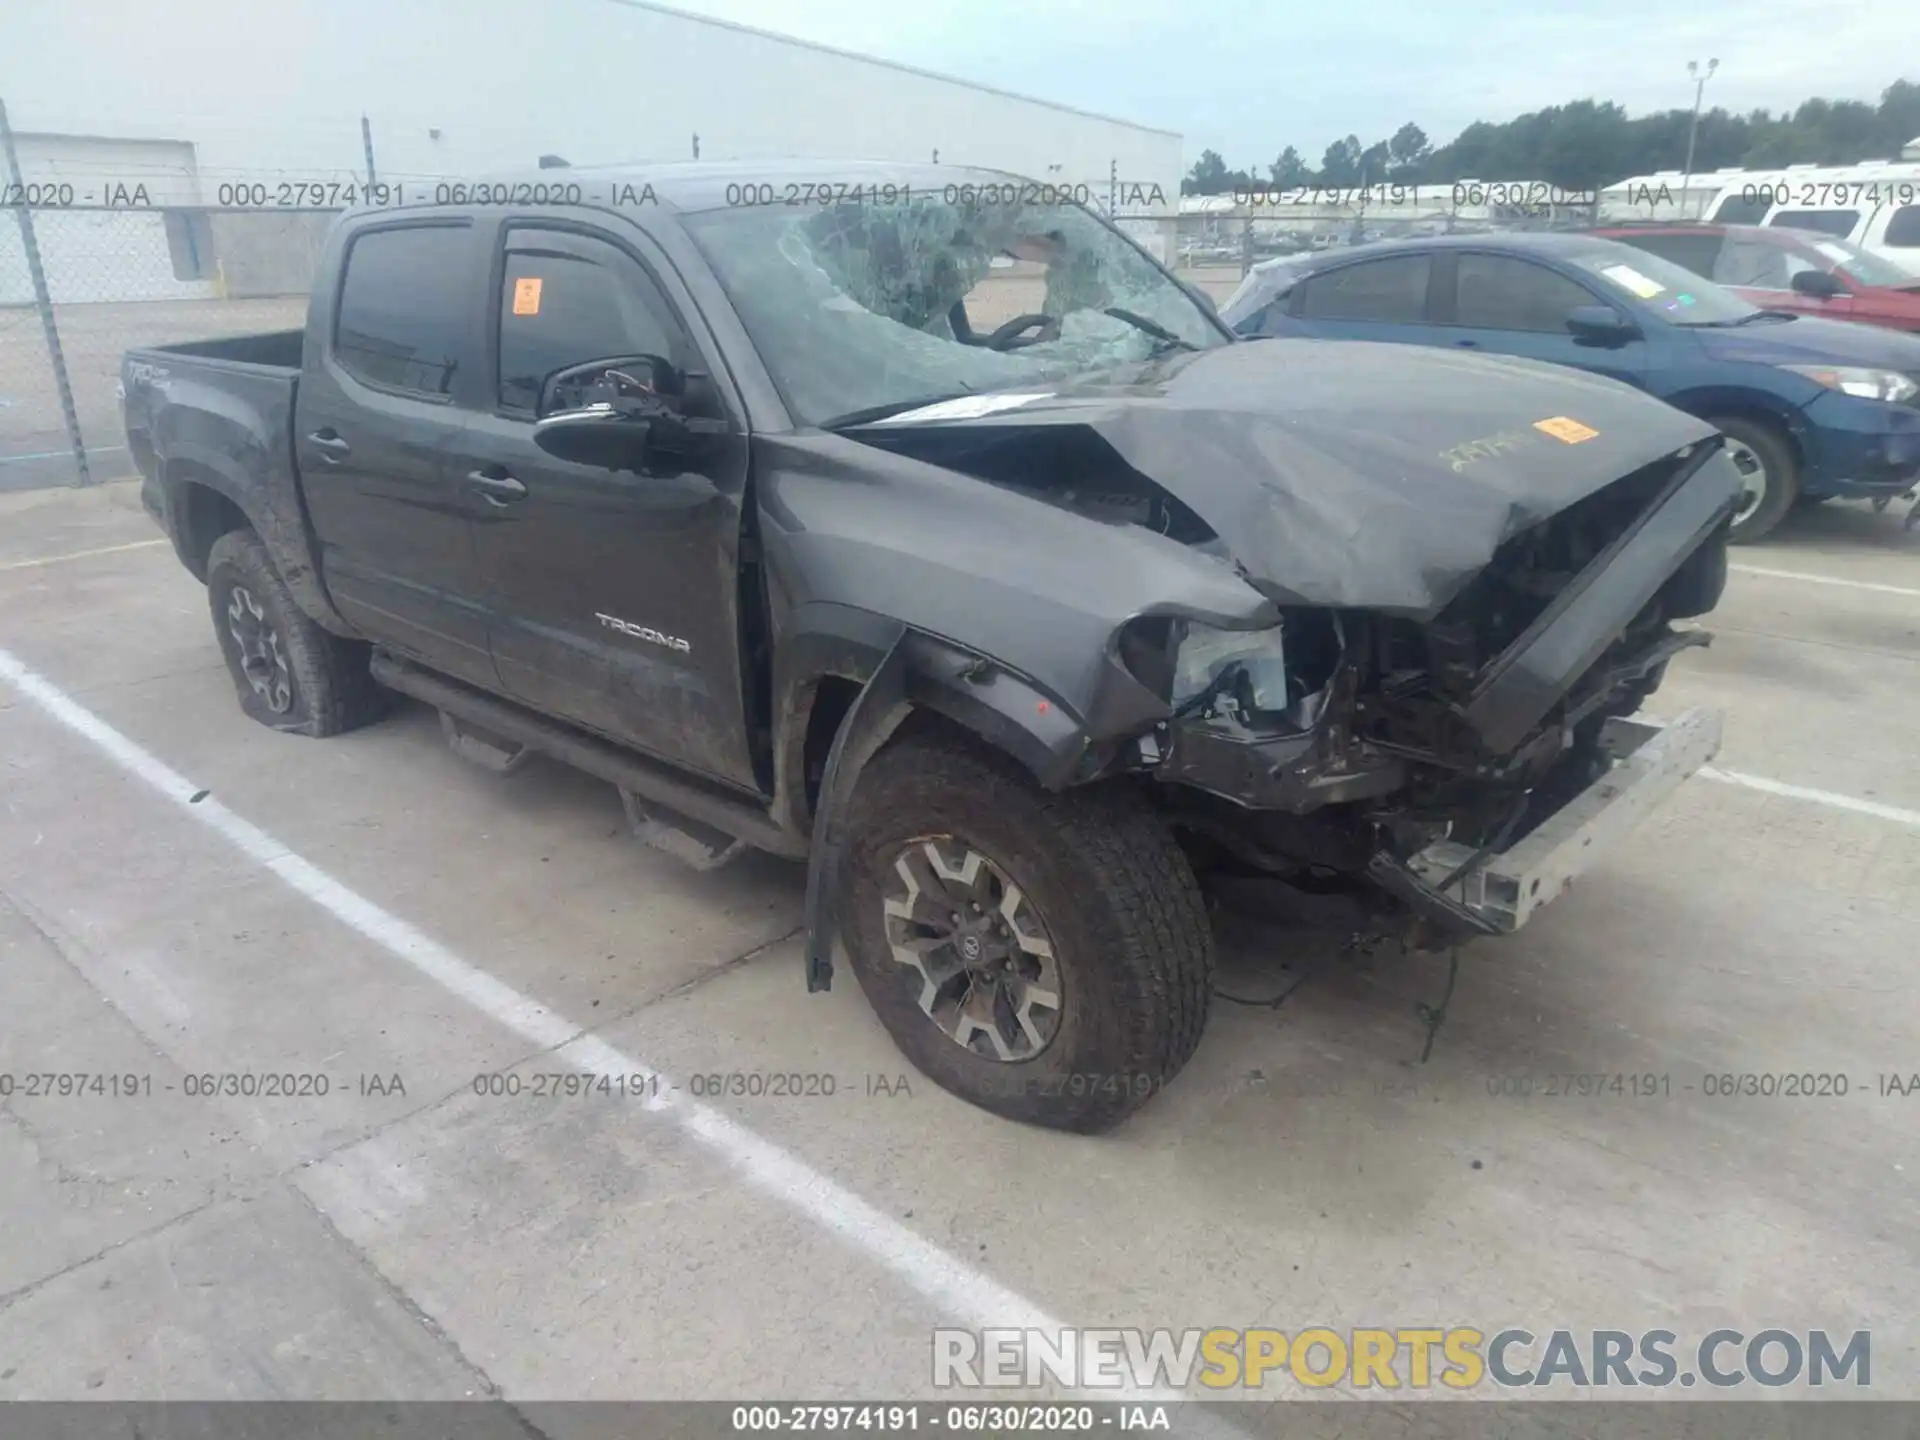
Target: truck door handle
{"x": 496, "y": 489}
{"x": 1468, "y": 344}
{"x": 331, "y": 447}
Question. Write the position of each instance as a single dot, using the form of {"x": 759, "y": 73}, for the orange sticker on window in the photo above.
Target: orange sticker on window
{"x": 526, "y": 296}
{"x": 1560, "y": 427}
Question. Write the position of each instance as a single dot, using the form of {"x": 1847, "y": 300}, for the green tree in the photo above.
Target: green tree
{"x": 1374, "y": 164}
{"x": 1899, "y": 116}
{"x": 1590, "y": 142}
{"x": 1407, "y": 151}
{"x": 1209, "y": 175}
{"x": 1289, "y": 170}
{"x": 1581, "y": 146}
{"x": 1341, "y": 164}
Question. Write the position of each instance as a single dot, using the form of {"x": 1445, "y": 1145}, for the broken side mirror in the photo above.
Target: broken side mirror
{"x": 612, "y": 413}
{"x": 620, "y": 376}
{"x": 1600, "y": 325}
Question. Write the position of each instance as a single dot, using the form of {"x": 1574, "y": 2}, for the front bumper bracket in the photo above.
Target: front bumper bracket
{"x": 1650, "y": 758}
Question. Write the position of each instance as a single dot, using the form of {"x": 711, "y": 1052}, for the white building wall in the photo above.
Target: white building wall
{"x": 90, "y": 255}
{"x": 105, "y": 171}
{"x": 275, "y": 89}
{"x": 110, "y": 242}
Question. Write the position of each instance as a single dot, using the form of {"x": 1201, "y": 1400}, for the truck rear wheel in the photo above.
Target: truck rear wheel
{"x": 289, "y": 673}
{"x": 1046, "y": 957}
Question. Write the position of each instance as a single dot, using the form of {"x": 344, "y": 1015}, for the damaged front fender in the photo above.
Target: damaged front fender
{"x": 919, "y": 671}
{"x": 1021, "y": 611}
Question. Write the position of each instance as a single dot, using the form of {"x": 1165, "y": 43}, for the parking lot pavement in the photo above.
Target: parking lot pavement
{"x": 371, "y": 916}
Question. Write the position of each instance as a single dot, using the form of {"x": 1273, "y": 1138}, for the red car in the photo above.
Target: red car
{"x": 1796, "y": 270}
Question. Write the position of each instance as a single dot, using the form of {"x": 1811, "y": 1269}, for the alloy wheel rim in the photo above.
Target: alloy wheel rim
{"x": 1753, "y": 477}
{"x": 973, "y": 949}
{"x": 262, "y": 659}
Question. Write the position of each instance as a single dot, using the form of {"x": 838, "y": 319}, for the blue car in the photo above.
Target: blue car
{"x": 1812, "y": 409}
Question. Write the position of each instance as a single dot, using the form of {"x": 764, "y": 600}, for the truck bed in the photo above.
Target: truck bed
{"x": 211, "y": 420}
{"x": 220, "y": 395}
{"x": 277, "y": 350}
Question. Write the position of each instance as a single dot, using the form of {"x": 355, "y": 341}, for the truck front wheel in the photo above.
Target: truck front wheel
{"x": 1046, "y": 957}
{"x": 289, "y": 673}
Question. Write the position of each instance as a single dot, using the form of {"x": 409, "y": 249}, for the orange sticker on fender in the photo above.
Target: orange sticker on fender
{"x": 526, "y": 296}
{"x": 1561, "y": 427}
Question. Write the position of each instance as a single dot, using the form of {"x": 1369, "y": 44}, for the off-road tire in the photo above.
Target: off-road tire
{"x": 333, "y": 690}
{"x": 1781, "y": 466}
{"x": 1130, "y": 932}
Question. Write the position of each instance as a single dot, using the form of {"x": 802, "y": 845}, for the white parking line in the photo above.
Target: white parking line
{"x": 1812, "y": 579}
{"x": 950, "y": 1283}
{"x": 1817, "y": 797}
{"x": 59, "y": 454}
{"x": 78, "y": 555}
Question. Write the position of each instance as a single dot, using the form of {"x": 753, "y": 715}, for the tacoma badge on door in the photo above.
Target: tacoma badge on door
{"x": 627, "y": 627}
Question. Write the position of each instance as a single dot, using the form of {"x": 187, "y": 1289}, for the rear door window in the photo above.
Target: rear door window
{"x": 1755, "y": 265}
{"x": 1743, "y": 207}
{"x": 1498, "y": 292}
{"x": 401, "y": 320}
{"x": 1827, "y": 222}
{"x": 1393, "y": 290}
{"x": 1903, "y": 227}
{"x": 1697, "y": 253}
{"x": 1255, "y": 322}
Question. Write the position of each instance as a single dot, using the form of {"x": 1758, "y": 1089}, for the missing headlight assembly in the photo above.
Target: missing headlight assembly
{"x": 1356, "y": 742}
{"x": 1261, "y": 718}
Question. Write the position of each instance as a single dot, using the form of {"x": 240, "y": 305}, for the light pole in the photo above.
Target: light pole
{"x": 1700, "y": 78}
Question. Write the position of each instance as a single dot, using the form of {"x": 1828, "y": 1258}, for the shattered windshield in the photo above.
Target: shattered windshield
{"x": 859, "y": 309}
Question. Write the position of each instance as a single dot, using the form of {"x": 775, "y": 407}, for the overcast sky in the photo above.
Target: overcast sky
{"x": 1247, "y": 79}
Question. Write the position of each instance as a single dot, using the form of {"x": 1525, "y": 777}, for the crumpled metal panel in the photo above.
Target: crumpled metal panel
{"x": 1349, "y": 474}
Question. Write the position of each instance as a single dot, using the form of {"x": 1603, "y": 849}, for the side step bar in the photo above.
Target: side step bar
{"x": 651, "y": 791}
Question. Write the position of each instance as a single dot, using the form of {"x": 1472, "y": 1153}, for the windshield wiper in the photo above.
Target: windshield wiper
{"x": 1744, "y": 320}
{"x": 893, "y": 407}
{"x": 1153, "y": 328}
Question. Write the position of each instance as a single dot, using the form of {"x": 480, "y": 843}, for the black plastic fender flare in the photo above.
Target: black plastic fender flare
{"x": 923, "y": 672}
{"x": 287, "y": 534}
{"x": 875, "y": 714}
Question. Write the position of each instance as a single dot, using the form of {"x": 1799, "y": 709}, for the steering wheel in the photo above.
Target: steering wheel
{"x": 1007, "y": 334}
{"x": 646, "y": 381}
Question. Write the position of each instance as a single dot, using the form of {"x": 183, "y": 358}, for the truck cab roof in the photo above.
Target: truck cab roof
{"x": 693, "y": 186}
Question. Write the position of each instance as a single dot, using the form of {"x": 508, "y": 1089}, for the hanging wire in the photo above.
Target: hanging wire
{"x": 1274, "y": 1003}
{"x": 1433, "y": 1015}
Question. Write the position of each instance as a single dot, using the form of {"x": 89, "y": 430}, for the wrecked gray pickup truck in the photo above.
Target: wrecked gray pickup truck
{"x": 914, "y": 522}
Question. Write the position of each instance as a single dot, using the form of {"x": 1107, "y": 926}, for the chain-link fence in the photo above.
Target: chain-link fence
{"x": 115, "y": 279}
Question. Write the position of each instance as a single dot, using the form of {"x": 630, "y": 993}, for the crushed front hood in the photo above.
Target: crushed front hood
{"x": 1344, "y": 473}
